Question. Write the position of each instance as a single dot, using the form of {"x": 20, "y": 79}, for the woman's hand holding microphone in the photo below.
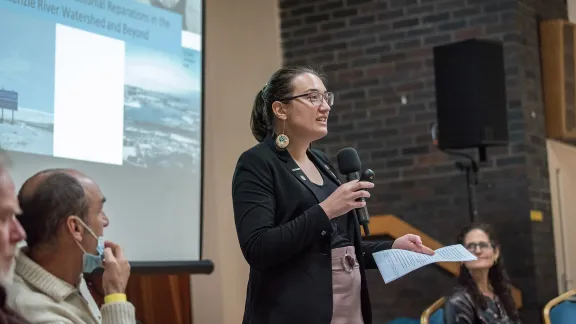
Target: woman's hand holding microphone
{"x": 345, "y": 198}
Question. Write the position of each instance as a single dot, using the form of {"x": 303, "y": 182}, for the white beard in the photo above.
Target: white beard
{"x": 7, "y": 277}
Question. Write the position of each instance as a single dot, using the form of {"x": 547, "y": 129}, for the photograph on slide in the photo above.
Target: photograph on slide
{"x": 162, "y": 108}
{"x": 190, "y": 10}
{"x": 27, "y": 50}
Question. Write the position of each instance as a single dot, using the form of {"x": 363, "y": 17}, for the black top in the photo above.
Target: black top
{"x": 461, "y": 309}
{"x": 339, "y": 237}
{"x": 284, "y": 236}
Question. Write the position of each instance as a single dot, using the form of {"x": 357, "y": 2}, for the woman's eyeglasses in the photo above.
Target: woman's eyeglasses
{"x": 316, "y": 98}
{"x": 482, "y": 245}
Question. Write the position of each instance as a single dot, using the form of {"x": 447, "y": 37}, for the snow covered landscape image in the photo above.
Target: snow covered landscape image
{"x": 31, "y": 132}
{"x": 162, "y": 109}
{"x": 27, "y": 68}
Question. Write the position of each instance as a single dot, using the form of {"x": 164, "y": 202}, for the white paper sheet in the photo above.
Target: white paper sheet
{"x": 395, "y": 263}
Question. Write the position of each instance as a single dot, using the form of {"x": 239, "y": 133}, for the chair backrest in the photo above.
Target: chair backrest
{"x": 560, "y": 309}
{"x": 435, "y": 312}
{"x": 437, "y": 317}
{"x": 563, "y": 313}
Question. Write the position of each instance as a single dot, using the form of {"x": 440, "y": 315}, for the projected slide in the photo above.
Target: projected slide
{"x": 115, "y": 82}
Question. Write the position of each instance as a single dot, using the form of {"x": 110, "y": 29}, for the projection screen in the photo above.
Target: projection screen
{"x": 114, "y": 89}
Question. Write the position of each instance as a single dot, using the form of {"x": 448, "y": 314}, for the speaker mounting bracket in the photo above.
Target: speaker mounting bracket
{"x": 471, "y": 168}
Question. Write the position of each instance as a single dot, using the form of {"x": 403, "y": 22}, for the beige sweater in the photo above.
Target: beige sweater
{"x": 42, "y": 298}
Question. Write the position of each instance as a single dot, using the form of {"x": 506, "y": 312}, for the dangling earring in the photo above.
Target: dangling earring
{"x": 282, "y": 140}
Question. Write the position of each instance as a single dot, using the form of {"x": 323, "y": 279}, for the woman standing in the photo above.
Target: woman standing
{"x": 293, "y": 220}
{"x": 483, "y": 293}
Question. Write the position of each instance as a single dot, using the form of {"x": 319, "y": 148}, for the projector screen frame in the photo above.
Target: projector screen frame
{"x": 172, "y": 268}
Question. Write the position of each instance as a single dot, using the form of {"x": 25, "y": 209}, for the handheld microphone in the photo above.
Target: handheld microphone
{"x": 368, "y": 176}
{"x": 349, "y": 165}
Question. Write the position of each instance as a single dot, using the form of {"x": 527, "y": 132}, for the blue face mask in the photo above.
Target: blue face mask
{"x": 91, "y": 262}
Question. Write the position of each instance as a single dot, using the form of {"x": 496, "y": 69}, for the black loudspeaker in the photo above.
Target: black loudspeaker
{"x": 470, "y": 94}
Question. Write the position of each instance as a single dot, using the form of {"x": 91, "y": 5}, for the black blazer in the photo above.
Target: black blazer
{"x": 284, "y": 235}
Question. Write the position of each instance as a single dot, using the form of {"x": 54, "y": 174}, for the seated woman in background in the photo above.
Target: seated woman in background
{"x": 483, "y": 294}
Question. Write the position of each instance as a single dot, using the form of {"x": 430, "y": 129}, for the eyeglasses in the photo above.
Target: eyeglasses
{"x": 316, "y": 98}
{"x": 472, "y": 246}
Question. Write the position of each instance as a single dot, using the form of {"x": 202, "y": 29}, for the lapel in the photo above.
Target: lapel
{"x": 353, "y": 224}
{"x": 295, "y": 170}
{"x": 354, "y": 233}
{"x": 326, "y": 167}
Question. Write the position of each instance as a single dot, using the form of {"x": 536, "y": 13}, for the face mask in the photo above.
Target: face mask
{"x": 91, "y": 262}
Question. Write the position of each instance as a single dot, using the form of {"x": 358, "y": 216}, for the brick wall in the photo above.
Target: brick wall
{"x": 376, "y": 52}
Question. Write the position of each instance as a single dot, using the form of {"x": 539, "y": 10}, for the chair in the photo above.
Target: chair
{"x": 561, "y": 310}
{"x": 434, "y": 314}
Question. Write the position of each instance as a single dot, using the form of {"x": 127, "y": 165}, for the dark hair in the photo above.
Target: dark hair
{"x": 278, "y": 87}
{"x": 44, "y": 208}
{"x": 496, "y": 275}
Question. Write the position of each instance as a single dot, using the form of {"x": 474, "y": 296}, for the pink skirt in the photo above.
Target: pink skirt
{"x": 346, "y": 287}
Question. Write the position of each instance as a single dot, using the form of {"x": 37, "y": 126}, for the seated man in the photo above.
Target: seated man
{"x": 63, "y": 217}
{"x": 11, "y": 233}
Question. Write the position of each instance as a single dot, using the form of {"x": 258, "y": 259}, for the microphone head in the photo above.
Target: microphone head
{"x": 348, "y": 161}
{"x": 368, "y": 175}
